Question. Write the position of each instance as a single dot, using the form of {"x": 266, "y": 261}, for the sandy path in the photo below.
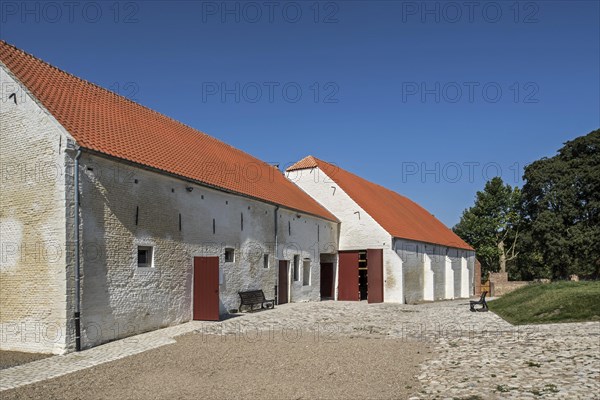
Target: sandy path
{"x": 10, "y": 359}
{"x": 271, "y": 366}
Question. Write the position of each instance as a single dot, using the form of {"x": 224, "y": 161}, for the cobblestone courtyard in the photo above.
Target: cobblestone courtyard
{"x": 470, "y": 355}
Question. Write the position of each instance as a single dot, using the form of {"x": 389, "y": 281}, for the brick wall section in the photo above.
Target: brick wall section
{"x": 500, "y": 285}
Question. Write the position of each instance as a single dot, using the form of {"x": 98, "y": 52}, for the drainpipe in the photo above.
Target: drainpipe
{"x": 276, "y": 227}
{"x": 77, "y": 264}
{"x": 276, "y": 258}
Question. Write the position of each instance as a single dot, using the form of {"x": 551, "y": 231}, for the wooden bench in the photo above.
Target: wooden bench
{"x": 481, "y": 301}
{"x": 253, "y": 297}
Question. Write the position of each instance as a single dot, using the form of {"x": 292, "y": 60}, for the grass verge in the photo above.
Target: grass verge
{"x": 550, "y": 303}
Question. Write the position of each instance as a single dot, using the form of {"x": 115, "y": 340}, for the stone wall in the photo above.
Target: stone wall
{"x": 35, "y": 251}
{"x": 124, "y": 206}
{"x": 358, "y": 230}
{"x": 427, "y": 267}
{"x": 500, "y": 285}
{"x": 413, "y": 271}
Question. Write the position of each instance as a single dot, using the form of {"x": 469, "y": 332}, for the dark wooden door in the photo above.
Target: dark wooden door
{"x": 375, "y": 275}
{"x": 282, "y": 286}
{"x": 326, "y": 280}
{"x": 206, "y": 288}
{"x": 348, "y": 276}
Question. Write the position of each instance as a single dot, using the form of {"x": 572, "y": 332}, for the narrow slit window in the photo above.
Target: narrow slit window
{"x": 306, "y": 272}
{"x": 296, "y": 268}
{"x": 265, "y": 261}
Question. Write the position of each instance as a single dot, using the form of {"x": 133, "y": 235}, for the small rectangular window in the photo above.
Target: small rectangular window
{"x": 296, "y": 268}
{"x": 144, "y": 259}
{"x": 265, "y": 261}
{"x": 306, "y": 272}
{"x": 229, "y": 255}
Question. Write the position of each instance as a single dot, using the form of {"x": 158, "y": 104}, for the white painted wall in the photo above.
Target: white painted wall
{"x": 470, "y": 255}
{"x": 358, "y": 230}
{"x": 448, "y": 278}
{"x": 34, "y": 253}
{"x": 394, "y": 279}
{"x": 464, "y": 278}
{"x": 438, "y": 268}
{"x": 120, "y": 299}
{"x": 428, "y": 279}
{"x": 413, "y": 277}
{"x": 414, "y": 271}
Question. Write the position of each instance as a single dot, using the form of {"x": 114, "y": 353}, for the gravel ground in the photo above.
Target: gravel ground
{"x": 13, "y": 358}
{"x": 228, "y": 366}
{"x": 345, "y": 350}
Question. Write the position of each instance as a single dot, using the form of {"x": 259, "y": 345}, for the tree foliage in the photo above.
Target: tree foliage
{"x": 561, "y": 208}
{"x": 550, "y": 228}
{"x": 492, "y": 225}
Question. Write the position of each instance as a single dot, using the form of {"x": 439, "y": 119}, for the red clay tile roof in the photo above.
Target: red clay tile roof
{"x": 398, "y": 215}
{"x": 105, "y": 122}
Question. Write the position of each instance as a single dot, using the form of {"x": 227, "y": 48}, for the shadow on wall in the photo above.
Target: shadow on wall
{"x": 118, "y": 299}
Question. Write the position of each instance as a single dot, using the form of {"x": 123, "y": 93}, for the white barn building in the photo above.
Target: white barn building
{"x": 391, "y": 249}
{"x": 116, "y": 220}
{"x": 171, "y": 222}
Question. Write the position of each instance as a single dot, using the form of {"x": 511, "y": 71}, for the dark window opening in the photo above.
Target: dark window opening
{"x": 296, "y": 268}
{"x": 144, "y": 259}
{"x": 229, "y": 254}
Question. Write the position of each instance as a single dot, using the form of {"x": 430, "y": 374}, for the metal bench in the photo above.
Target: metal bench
{"x": 481, "y": 301}
{"x": 255, "y": 297}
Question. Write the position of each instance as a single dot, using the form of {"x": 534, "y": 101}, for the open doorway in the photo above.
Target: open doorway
{"x": 361, "y": 275}
{"x": 326, "y": 281}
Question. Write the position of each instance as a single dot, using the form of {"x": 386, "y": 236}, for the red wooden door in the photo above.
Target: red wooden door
{"x": 348, "y": 276}
{"x": 326, "y": 280}
{"x": 206, "y": 288}
{"x": 375, "y": 275}
{"x": 282, "y": 286}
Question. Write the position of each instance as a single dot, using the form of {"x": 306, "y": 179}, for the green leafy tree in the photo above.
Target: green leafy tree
{"x": 561, "y": 208}
{"x": 492, "y": 225}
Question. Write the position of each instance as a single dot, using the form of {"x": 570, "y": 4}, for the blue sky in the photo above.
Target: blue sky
{"x": 429, "y": 99}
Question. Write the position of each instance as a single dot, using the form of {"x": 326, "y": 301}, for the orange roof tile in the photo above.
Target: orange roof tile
{"x": 107, "y": 123}
{"x": 398, "y": 215}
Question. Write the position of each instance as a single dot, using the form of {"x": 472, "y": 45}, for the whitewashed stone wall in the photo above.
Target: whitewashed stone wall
{"x": 448, "y": 278}
{"x": 358, "y": 230}
{"x": 447, "y": 264}
{"x": 413, "y": 271}
{"x": 463, "y": 267}
{"x": 34, "y": 254}
{"x": 120, "y": 299}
